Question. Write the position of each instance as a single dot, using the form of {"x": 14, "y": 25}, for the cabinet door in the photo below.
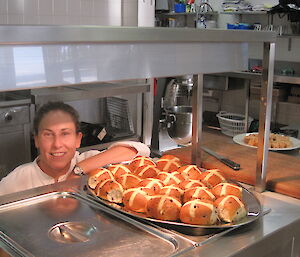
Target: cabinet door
{"x": 14, "y": 149}
{"x": 146, "y": 13}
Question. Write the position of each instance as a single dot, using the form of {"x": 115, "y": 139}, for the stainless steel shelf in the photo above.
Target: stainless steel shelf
{"x": 87, "y": 91}
{"x": 30, "y": 35}
{"x": 246, "y": 13}
{"x": 186, "y": 14}
{"x": 291, "y": 79}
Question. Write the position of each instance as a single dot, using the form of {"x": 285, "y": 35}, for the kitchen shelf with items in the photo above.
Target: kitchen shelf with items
{"x": 187, "y": 15}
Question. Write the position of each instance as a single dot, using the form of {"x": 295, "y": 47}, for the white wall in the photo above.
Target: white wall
{"x": 62, "y": 12}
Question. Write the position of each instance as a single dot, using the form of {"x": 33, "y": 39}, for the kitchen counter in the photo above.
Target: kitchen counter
{"x": 277, "y": 233}
{"x": 283, "y": 172}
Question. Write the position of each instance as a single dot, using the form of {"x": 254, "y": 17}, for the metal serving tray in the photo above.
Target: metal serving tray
{"x": 254, "y": 211}
{"x": 68, "y": 224}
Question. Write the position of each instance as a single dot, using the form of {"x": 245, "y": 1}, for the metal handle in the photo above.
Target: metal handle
{"x": 230, "y": 163}
{"x": 171, "y": 118}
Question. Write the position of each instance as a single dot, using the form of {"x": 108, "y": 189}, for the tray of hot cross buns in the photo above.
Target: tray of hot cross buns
{"x": 185, "y": 198}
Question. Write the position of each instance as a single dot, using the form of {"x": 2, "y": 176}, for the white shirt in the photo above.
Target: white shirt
{"x": 30, "y": 175}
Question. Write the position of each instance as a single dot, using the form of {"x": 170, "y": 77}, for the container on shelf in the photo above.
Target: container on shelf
{"x": 179, "y": 8}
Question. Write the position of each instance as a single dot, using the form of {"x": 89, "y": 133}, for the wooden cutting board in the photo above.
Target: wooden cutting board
{"x": 283, "y": 170}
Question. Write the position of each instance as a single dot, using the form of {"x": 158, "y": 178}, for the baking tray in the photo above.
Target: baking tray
{"x": 254, "y": 211}
{"x": 67, "y": 224}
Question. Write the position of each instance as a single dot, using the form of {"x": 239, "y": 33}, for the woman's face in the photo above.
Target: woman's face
{"x": 57, "y": 141}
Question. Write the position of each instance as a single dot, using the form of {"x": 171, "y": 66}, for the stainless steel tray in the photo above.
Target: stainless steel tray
{"x": 68, "y": 224}
{"x": 254, "y": 211}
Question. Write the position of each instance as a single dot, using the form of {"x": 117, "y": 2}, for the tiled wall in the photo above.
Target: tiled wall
{"x": 68, "y": 12}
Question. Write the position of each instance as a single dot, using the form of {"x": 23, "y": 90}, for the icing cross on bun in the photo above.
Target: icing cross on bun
{"x": 163, "y": 207}
{"x": 110, "y": 190}
{"x": 136, "y": 199}
{"x": 170, "y": 178}
{"x": 202, "y": 193}
{"x": 212, "y": 177}
{"x": 186, "y": 184}
{"x": 230, "y": 208}
{"x": 168, "y": 163}
{"x": 199, "y": 212}
{"x": 119, "y": 169}
{"x": 140, "y": 161}
{"x": 146, "y": 171}
{"x": 190, "y": 172}
{"x": 129, "y": 180}
{"x": 172, "y": 190}
{"x": 97, "y": 176}
{"x": 152, "y": 183}
{"x": 227, "y": 189}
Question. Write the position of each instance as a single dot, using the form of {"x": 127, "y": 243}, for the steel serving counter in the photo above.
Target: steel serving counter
{"x": 60, "y": 220}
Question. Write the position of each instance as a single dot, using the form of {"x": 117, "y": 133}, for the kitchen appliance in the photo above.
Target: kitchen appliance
{"x": 14, "y": 130}
{"x": 173, "y": 98}
{"x": 178, "y": 92}
{"x": 179, "y": 124}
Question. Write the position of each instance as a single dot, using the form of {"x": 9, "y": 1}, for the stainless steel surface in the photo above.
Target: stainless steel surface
{"x": 254, "y": 211}
{"x": 88, "y": 91}
{"x": 197, "y": 105}
{"x": 247, "y": 84}
{"x": 65, "y": 55}
{"x": 72, "y": 232}
{"x": 148, "y": 99}
{"x": 271, "y": 235}
{"x": 38, "y": 225}
{"x": 226, "y": 161}
{"x": 178, "y": 93}
{"x": 81, "y": 34}
{"x": 179, "y": 123}
{"x": 14, "y": 137}
{"x": 278, "y": 78}
{"x": 265, "y": 116}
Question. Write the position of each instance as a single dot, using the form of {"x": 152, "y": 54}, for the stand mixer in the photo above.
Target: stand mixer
{"x": 175, "y": 122}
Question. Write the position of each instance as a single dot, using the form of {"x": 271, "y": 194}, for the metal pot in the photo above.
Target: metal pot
{"x": 179, "y": 123}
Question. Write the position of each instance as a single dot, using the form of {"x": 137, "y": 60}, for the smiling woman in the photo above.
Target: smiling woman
{"x": 57, "y": 136}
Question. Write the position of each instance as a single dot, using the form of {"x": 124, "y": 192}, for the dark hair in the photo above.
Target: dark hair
{"x": 55, "y": 106}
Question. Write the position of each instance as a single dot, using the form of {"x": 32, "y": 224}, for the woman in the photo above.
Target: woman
{"x": 57, "y": 136}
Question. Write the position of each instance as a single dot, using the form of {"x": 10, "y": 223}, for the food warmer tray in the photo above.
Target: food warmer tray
{"x": 67, "y": 224}
{"x": 254, "y": 211}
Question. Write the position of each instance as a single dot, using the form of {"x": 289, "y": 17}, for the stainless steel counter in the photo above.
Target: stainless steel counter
{"x": 275, "y": 234}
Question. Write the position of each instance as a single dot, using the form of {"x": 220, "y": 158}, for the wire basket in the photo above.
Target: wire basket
{"x": 119, "y": 120}
{"x": 232, "y": 124}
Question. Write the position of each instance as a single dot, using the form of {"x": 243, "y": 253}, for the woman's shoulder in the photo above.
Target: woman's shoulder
{"x": 22, "y": 169}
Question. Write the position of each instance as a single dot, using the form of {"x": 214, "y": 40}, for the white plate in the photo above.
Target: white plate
{"x": 239, "y": 139}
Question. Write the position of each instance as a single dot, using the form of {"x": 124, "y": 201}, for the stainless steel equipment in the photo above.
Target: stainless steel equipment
{"x": 179, "y": 124}
{"x": 68, "y": 224}
{"x": 178, "y": 92}
{"x": 14, "y": 134}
